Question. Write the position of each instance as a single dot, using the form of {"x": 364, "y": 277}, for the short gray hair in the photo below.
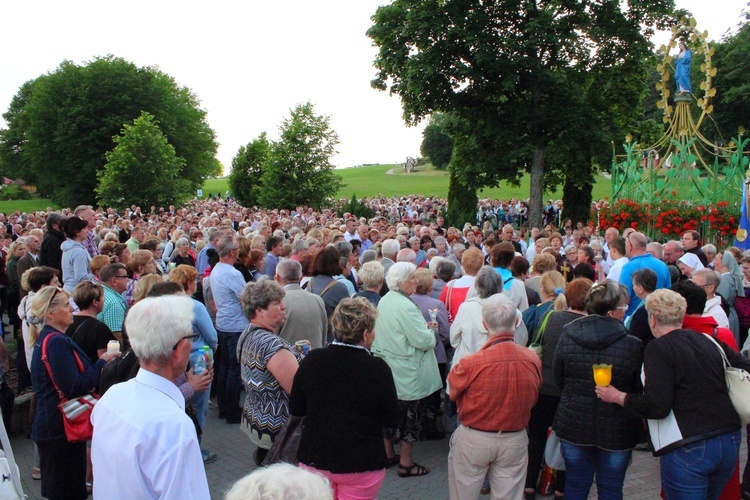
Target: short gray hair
{"x": 390, "y": 248}
{"x": 499, "y": 314}
{"x": 299, "y": 244}
{"x": 281, "y": 480}
{"x": 182, "y": 242}
{"x": 371, "y": 273}
{"x": 155, "y": 325}
{"x": 225, "y": 245}
{"x": 259, "y": 295}
{"x": 712, "y": 277}
{"x": 290, "y": 271}
{"x": 369, "y": 256}
{"x": 488, "y": 282}
{"x": 398, "y": 274}
{"x": 445, "y": 269}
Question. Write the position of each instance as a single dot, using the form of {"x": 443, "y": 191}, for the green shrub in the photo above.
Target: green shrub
{"x": 14, "y": 192}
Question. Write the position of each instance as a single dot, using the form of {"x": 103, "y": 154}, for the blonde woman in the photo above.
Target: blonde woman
{"x": 63, "y": 464}
{"x": 141, "y": 262}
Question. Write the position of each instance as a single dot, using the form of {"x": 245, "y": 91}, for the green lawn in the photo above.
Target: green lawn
{"x": 33, "y": 205}
{"x": 367, "y": 182}
{"x": 373, "y": 180}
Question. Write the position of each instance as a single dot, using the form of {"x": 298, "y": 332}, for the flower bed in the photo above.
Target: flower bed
{"x": 669, "y": 218}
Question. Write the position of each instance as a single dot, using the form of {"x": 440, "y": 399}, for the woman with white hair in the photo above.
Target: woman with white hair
{"x": 279, "y": 482}
{"x": 406, "y": 342}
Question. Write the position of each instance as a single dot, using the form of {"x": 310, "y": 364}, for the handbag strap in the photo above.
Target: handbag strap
{"x": 542, "y": 327}
{"x": 13, "y": 467}
{"x": 328, "y": 287}
{"x": 45, "y": 359}
{"x": 727, "y": 364}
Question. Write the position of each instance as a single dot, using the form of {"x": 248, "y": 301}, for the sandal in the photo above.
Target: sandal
{"x": 390, "y": 462}
{"x": 413, "y": 471}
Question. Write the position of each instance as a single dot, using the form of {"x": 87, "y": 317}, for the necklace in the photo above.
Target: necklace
{"x": 336, "y": 342}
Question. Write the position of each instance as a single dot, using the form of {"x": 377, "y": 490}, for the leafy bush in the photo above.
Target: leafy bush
{"x": 14, "y": 192}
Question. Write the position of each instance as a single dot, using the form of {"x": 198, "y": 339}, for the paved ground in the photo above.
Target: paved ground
{"x": 235, "y": 460}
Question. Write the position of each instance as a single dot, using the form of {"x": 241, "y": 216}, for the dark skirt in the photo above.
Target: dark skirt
{"x": 411, "y": 425}
{"x": 63, "y": 467}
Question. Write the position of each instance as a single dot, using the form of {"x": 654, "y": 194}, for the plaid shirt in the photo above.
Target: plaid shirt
{"x": 90, "y": 244}
{"x": 496, "y": 388}
{"x": 113, "y": 313}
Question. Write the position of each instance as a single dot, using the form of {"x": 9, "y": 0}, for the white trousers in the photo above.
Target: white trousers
{"x": 475, "y": 453}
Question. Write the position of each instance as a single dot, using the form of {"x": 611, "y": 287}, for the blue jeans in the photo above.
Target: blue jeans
{"x": 228, "y": 378}
{"x": 701, "y": 469}
{"x": 582, "y": 463}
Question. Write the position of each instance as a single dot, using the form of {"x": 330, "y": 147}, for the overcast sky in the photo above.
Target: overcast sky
{"x": 248, "y": 62}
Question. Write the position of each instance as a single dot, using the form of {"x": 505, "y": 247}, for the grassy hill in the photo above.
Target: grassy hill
{"x": 372, "y": 181}
{"x": 427, "y": 180}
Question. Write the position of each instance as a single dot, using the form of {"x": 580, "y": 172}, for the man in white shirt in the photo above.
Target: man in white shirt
{"x": 610, "y": 234}
{"x": 617, "y": 253}
{"x": 144, "y": 444}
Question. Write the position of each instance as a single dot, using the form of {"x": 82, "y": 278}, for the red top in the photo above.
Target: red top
{"x": 496, "y": 388}
{"x": 707, "y": 324}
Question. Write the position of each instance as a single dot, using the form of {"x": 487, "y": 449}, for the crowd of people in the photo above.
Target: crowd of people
{"x": 397, "y": 327}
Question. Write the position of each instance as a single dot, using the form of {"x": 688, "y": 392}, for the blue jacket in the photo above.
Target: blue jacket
{"x": 48, "y": 424}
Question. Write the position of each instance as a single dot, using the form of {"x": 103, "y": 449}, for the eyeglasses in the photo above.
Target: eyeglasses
{"x": 191, "y": 338}
{"x": 121, "y": 276}
{"x": 623, "y": 308}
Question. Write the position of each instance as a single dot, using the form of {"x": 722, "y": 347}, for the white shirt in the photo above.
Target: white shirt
{"x": 616, "y": 269}
{"x": 714, "y": 309}
{"x": 144, "y": 444}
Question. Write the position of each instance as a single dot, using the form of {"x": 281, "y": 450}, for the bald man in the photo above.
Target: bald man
{"x": 635, "y": 248}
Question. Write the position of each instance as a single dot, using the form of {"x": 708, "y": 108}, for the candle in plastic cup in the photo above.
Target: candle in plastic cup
{"x": 113, "y": 346}
{"x": 602, "y": 374}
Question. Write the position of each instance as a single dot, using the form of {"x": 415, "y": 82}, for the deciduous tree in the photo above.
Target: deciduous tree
{"x": 517, "y": 71}
{"x": 437, "y": 145}
{"x": 299, "y": 171}
{"x": 60, "y": 125}
{"x": 248, "y": 166}
{"x": 142, "y": 169}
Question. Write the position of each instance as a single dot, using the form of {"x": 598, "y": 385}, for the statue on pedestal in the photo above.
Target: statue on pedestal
{"x": 682, "y": 70}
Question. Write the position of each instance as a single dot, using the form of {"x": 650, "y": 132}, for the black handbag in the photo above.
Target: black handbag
{"x": 286, "y": 444}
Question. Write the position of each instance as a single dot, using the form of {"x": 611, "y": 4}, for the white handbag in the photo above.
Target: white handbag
{"x": 738, "y": 383}
{"x": 10, "y": 477}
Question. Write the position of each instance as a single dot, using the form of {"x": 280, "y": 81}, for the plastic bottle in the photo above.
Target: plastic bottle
{"x": 207, "y": 355}
{"x": 200, "y": 364}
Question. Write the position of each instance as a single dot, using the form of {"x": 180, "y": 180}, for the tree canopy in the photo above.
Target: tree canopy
{"x": 247, "y": 169}
{"x": 61, "y": 125}
{"x": 295, "y": 170}
{"x": 142, "y": 169}
{"x": 528, "y": 80}
{"x": 437, "y": 145}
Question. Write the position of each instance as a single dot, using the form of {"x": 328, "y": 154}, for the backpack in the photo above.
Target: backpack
{"x": 120, "y": 369}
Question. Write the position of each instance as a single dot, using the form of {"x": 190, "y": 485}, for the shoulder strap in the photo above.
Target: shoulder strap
{"x": 328, "y": 287}
{"x": 79, "y": 327}
{"x": 721, "y": 350}
{"x": 45, "y": 359}
{"x": 508, "y": 280}
{"x": 542, "y": 327}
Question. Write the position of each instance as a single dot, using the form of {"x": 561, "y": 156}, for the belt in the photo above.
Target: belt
{"x": 493, "y": 432}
